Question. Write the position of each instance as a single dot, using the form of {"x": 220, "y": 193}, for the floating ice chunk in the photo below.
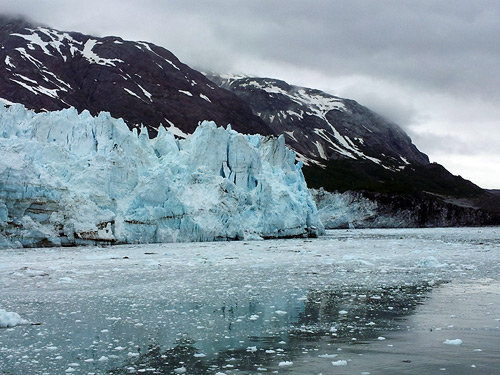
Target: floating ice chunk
{"x": 453, "y": 342}
{"x": 430, "y": 261}
{"x": 285, "y": 363}
{"x": 340, "y": 362}
{"x": 328, "y": 356}
{"x": 66, "y": 280}
{"x": 180, "y": 370}
{"x": 10, "y": 319}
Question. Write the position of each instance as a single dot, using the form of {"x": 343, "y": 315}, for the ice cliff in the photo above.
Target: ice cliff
{"x": 69, "y": 178}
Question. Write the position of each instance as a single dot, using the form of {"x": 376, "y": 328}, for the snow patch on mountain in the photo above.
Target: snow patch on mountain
{"x": 93, "y": 58}
{"x": 69, "y": 178}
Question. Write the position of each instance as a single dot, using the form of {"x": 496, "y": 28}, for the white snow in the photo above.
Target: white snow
{"x": 291, "y": 135}
{"x": 93, "y": 58}
{"x": 146, "y": 93}
{"x": 37, "y": 89}
{"x": 56, "y": 40}
{"x": 204, "y": 97}
{"x": 36, "y": 40}
{"x": 8, "y": 62}
{"x": 131, "y": 93}
{"x": 146, "y": 45}
{"x": 25, "y": 55}
{"x": 185, "y": 92}
{"x": 318, "y": 104}
{"x": 94, "y": 180}
{"x": 321, "y": 151}
{"x": 175, "y": 130}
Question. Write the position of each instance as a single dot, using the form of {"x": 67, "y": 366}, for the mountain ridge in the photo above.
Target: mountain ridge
{"x": 46, "y": 69}
{"x": 322, "y": 127}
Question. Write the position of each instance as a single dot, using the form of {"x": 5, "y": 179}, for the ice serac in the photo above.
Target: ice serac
{"x": 69, "y": 178}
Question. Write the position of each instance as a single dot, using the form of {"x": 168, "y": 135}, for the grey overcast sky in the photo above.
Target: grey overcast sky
{"x": 432, "y": 66}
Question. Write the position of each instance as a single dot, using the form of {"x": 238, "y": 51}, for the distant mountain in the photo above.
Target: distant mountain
{"x": 46, "y": 70}
{"x": 344, "y": 145}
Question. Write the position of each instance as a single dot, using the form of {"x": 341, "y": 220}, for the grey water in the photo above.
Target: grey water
{"x": 352, "y": 302}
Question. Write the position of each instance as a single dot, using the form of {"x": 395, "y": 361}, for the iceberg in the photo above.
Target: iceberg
{"x": 10, "y": 319}
{"x": 74, "y": 179}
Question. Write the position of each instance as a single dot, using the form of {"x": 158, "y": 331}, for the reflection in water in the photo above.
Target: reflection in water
{"x": 358, "y": 312}
{"x": 182, "y": 358}
{"x": 350, "y": 315}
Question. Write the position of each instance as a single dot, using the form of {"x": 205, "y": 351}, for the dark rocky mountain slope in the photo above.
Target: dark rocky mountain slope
{"x": 47, "y": 69}
{"x": 321, "y": 127}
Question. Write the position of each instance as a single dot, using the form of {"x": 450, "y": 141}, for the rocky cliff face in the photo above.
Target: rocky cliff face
{"x": 47, "y": 70}
{"x": 362, "y": 209}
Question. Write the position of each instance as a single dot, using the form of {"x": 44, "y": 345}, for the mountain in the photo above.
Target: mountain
{"x": 321, "y": 127}
{"x": 344, "y": 146}
{"x": 69, "y": 179}
{"x": 47, "y": 70}
{"x": 351, "y": 150}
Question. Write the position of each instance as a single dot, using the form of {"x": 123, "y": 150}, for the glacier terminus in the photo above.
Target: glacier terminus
{"x": 71, "y": 179}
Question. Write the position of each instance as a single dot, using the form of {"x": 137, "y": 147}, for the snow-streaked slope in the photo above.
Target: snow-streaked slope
{"x": 322, "y": 127}
{"x": 67, "y": 178}
{"x": 46, "y": 70}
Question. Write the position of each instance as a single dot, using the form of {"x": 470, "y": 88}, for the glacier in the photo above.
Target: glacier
{"x": 74, "y": 179}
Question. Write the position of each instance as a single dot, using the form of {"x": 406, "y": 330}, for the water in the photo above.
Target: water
{"x": 352, "y": 302}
